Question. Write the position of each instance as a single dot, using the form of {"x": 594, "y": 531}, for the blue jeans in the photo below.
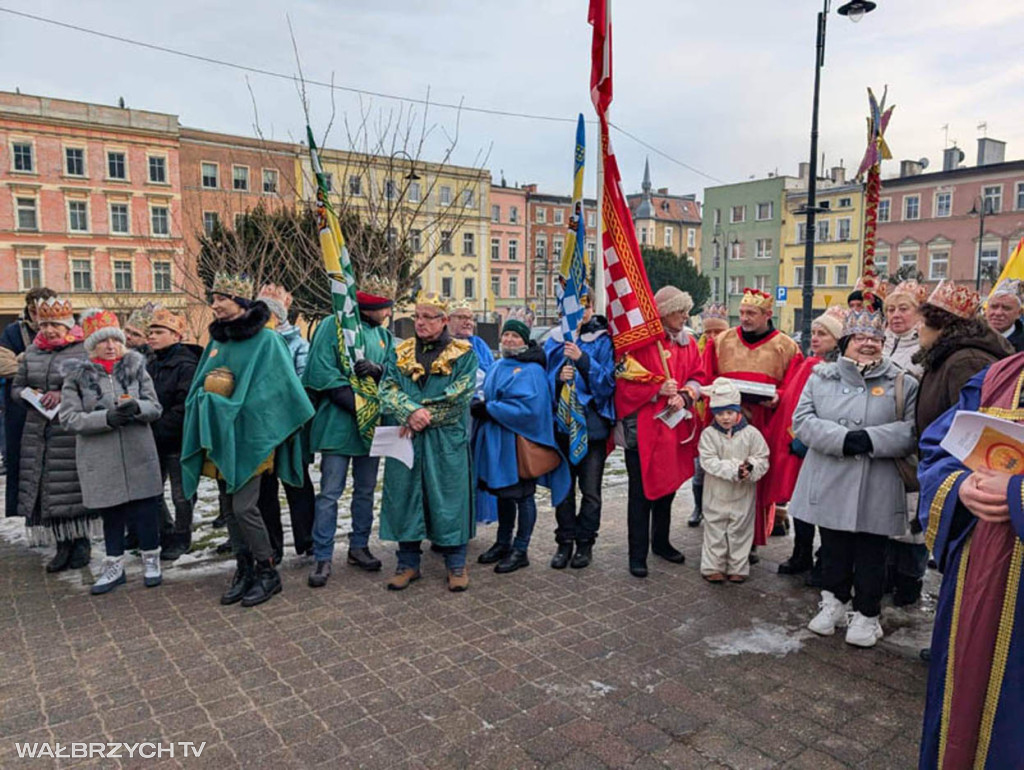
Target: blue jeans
{"x": 409, "y": 555}
{"x": 527, "y": 507}
{"x": 333, "y": 471}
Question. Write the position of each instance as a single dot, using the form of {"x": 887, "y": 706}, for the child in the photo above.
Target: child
{"x": 734, "y": 456}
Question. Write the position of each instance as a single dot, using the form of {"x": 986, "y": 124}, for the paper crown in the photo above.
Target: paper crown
{"x": 909, "y": 288}
{"x": 869, "y": 284}
{"x": 379, "y": 286}
{"x": 165, "y": 319}
{"x": 757, "y": 298}
{"x": 715, "y": 310}
{"x": 99, "y": 325}
{"x": 457, "y": 305}
{"x": 832, "y": 320}
{"x": 276, "y": 293}
{"x": 958, "y": 300}
{"x": 869, "y": 322}
{"x": 1010, "y": 287}
{"x": 141, "y": 317}
{"x": 55, "y": 310}
{"x": 434, "y": 300}
{"x": 232, "y": 285}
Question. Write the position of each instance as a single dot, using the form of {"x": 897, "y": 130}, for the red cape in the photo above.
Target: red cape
{"x": 785, "y": 465}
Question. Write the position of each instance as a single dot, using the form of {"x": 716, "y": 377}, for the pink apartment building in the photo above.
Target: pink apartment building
{"x": 508, "y": 250}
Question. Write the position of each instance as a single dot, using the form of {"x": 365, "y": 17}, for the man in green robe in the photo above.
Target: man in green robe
{"x": 242, "y": 417}
{"x": 335, "y": 434}
{"x": 427, "y": 389}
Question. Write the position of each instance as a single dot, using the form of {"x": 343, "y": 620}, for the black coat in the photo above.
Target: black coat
{"x": 172, "y": 370}
{"x": 1016, "y": 338}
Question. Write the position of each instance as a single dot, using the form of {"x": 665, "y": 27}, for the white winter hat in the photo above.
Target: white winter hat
{"x": 724, "y": 394}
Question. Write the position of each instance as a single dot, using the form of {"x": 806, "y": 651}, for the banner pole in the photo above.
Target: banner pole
{"x": 599, "y": 296}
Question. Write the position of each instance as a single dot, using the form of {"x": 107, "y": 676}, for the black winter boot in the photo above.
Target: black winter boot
{"x": 698, "y": 506}
{"x": 62, "y": 559}
{"x": 241, "y": 581}
{"x": 515, "y": 559}
{"x": 561, "y": 558}
{"x": 495, "y": 553}
{"x": 268, "y": 583}
{"x": 81, "y": 552}
{"x": 177, "y": 546}
{"x": 581, "y": 559}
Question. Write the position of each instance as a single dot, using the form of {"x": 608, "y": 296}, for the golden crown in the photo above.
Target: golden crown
{"x": 433, "y": 299}
{"x": 232, "y": 285}
{"x": 869, "y": 322}
{"x": 757, "y": 298}
{"x": 379, "y": 286}
{"x": 460, "y": 304}
{"x": 141, "y": 317}
{"x": 53, "y": 309}
{"x": 959, "y": 300}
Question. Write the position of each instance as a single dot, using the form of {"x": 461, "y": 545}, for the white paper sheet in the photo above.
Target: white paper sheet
{"x": 672, "y": 419}
{"x": 387, "y": 442}
{"x": 33, "y": 396}
{"x": 966, "y": 432}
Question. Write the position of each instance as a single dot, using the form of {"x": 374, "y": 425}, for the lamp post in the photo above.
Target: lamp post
{"x": 984, "y": 211}
{"x": 728, "y": 238}
{"x": 854, "y": 10}
{"x": 545, "y": 269}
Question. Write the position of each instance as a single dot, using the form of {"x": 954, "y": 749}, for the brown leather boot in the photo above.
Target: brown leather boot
{"x": 458, "y": 579}
{"x": 402, "y": 578}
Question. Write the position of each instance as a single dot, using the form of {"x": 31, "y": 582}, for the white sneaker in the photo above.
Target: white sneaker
{"x": 863, "y": 631}
{"x": 151, "y": 568}
{"x": 112, "y": 575}
{"x": 831, "y": 613}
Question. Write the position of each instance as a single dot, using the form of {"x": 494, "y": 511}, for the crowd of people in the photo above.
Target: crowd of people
{"x": 99, "y": 417}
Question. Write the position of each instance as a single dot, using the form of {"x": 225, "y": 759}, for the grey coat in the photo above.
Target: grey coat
{"x": 115, "y": 465}
{"x": 48, "y": 474}
{"x": 862, "y": 493}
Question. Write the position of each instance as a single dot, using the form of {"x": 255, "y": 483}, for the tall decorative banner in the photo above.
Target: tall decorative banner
{"x": 877, "y": 151}
{"x": 343, "y": 300}
{"x": 632, "y": 314}
{"x": 571, "y": 279}
{"x": 1014, "y": 266}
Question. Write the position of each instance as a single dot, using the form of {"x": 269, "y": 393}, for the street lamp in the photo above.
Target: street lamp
{"x": 412, "y": 176}
{"x": 723, "y": 239}
{"x": 986, "y": 209}
{"x": 854, "y": 10}
{"x": 544, "y": 262}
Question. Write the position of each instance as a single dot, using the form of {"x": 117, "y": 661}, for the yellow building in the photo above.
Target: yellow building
{"x": 441, "y": 211}
{"x": 837, "y": 248}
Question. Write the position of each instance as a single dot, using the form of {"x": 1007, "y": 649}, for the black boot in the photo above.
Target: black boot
{"x": 698, "y": 506}
{"x": 178, "y": 545}
{"x": 515, "y": 559}
{"x": 638, "y": 568}
{"x": 800, "y": 561}
{"x": 495, "y": 553}
{"x": 813, "y": 579}
{"x": 220, "y": 522}
{"x": 267, "y": 583}
{"x": 362, "y": 558}
{"x": 62, "y": 559}
{"x": 754, "y": 558}
{"x": 561, "y": 558}
{"x": 581, "y": 558}
{"x": 906, "y": 592}
{"x": 668, "y": 553}
{"x": 241, "y": 581}
{"x": 81, "y": 552}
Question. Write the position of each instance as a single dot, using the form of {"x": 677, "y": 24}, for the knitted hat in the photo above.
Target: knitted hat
{"x": 517, "y": 327}
{"x": 832, "y": 321}
{"x": 140, "y": 318}
{"x": 1008, "y": 287}
{"x": 757, "y": 298}
{"x": 910, "y": 289}
{"x": 277, "y": 299}
{"x": 165, "y": 319}
{"x": 55, "y": 310}
{"x": 961, "y": 301}
{"x": 99, "y": 325}
{"x": 670, "y": 300}
{"x": 724, "y": 394}
{"x": 869, "y": 322}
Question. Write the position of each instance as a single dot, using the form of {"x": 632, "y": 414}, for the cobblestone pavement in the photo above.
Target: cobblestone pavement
{"x": 542, "y": 668}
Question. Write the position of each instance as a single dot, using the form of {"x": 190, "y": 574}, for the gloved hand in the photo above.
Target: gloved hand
{"x": 857, "y": 442}
{"x": 478, "y": 410}
{"x": 365, "y": 368}
{"x": 343, "y": 398}
{"x": 117, "y": 418}
{"x": 798, "y": 448}
{"x": 128, "y": 406}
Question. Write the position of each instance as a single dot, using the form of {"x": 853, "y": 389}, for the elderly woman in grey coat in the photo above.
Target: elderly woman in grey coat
{"x": 856, "y": 416}
{"x": 109, "y": 402}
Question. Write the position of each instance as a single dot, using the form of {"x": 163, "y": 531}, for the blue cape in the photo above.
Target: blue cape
{"x": 595, "y": 382}
{"x": 483, "y": 353}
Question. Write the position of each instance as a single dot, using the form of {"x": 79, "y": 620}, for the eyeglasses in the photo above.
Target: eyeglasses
{"x": 864, "y": 339}
{"x": 425, "y": 317}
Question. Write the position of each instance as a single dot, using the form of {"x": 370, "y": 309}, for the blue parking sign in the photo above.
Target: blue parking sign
{"x": 781, "y": 294}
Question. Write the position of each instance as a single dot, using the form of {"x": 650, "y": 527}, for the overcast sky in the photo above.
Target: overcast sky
{"x": 724, "y": 87}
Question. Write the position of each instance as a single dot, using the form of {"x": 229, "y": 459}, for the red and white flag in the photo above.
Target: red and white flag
{"x": 632, "y": 314}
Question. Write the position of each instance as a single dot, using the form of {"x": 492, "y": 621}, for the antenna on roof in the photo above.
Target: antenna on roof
{"x": 983, "y": 127}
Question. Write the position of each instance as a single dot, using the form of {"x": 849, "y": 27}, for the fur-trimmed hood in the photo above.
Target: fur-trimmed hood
{"x": 87, "y": 373}
{"x": 952, "y": 341}
{"x": 245, "y": 327}
{"x": 533, "y": 354}
{"x": 834, "y": 370}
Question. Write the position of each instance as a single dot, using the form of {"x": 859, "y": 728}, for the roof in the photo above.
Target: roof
{"x": 669, "y": 208}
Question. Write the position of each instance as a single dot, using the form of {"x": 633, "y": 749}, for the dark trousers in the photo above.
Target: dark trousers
{"x": 854, "y": 562}
{"x": 246, "y": 529}
{"x": 301, "y": 503}
{"x": 581, "y": 527}
{"x": 270, "y": 509}
{"x": 908, "y": 563}
{"x": 527, "y": 510}
{"x": 170, "y": 468}
{"x": 14, "y": 426}
{"x": 647, "y": 521}
{"x": 143, "y": 516}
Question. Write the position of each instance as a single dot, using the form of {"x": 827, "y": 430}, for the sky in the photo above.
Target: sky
{"x": 724, "y": 89}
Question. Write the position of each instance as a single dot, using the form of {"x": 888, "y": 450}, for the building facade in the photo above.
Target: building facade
{"x": 508, "y": 251}
{"x": 91, "y": 203}
{"x": 664, "y": 221}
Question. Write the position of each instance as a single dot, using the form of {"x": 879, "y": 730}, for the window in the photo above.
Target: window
{"x": 883, "y": 210}
{"x": 540, "y": 215}
{"x": 912, "y": 207}
{"x": 763, "y": 248}
{"x": 842, "y": 275}
{"x": 269, "y": 181}
{"x": 844, "y": 229}
{"x": 938, "y": 265}
{"x": 538, "y": 285}
{"x": 74, "y": 161}
{"x": 468, "y": 200}
{"x": 845, "y": 203}
{"x": 801, "y": 232}
{"x": 820, "y": 275}
{"x": 392, "y": 237}
{"x": 765, "y": 211}
{"x": 761, "y": 283}
{"x": 736, "y": 250}
{"x": 716, "y": 261}
{"x": 993, "y": 198}
{"x": 642, "y": 235}
{"x": 117, "y": 168}
{"x": 468, "y": 245}
{"x": 718, "y": 217}
{"x": 415, "y": 192}
{"x": 495, "y": 213}
{"x": 123, "y": 275}
{"x": 513, "y": 214}
{"x": 78, "y": 217}
{"x": 513, "y": 286}
{"x": 157, "y": 169}
{"x": 691, "y": 237}
{"x": 81, "y": 275}
{"x": 990, "y": 260}
{"x": 159, "y": 220}
{"x": 355, "y": 185}
{"x": 559, "y": 217}
{"x": 162, "y": 276}
{"x": 469, "y": 288}
{"x": 943, "y": 204}
{"x": 738, "y": 214}
{"x": 390, "y": 192}
{"x": 240, "y": 178}
{"x": 513, "y": 250}
{"x": 416, "y": 241}
{"x": 557, "y": 244}
{"x": 591, "y": 252}
{"x": 798, "y": 276}
{"x": 446, "y": 242}
{"x": 445, "y": 195}
{"x": 27, "y": 219}
{"x": 908, "y": 257}
{"x": 823, "y": 228}
{"x": 446, "y": 286}
{"x": 23, "y": 157}
{"x": 542, "y": 247}
{"x": 239, "y": 221}
{"x": 591, "y": 220}
{"x": 209, "y": 175}
{"x": 882, "y": 260}
{"x": 496, "y": 285}
{"x": 495, "y": 248}
{"x": 119, "y": 218}
{"x": 1020, "y": 195}
{"x": 735, "y": 284}
{"x": 329, "y": 181}
{"x": 31, "y": 273}
{"x": 714, "y": 286}
{"x": 668, "y": 237}
{"x": 210, "y": 222}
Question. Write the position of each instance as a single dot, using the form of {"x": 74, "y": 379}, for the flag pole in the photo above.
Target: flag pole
{"x": 598, "y": 295}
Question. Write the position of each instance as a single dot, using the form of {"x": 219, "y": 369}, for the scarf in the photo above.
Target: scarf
{"x": 73, "y": 335}
{"x": 864, "y": 367}
{"x": 108, "y": 364}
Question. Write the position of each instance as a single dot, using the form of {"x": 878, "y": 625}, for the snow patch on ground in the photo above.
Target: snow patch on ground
{"x": 591, "y": 691}
{"x": 760, "y": 639}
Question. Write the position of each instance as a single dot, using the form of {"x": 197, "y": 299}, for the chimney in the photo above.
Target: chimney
{"x": 909, "y": 168}
{"x": 662, "y": 191}
{"x": 531, "y": 189}
{"x": 838, "y": 174}
{"x": 990, "y": 151}
{"x": 952, "y": 158}
{"x": 805, "y": 171}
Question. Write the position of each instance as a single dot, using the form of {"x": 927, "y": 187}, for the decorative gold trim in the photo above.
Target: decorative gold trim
{"x": 1001, "y": 653}
{"x": 405, "y": 358}
{"x": 1016, "y": 392}
{"x": 1007, "y": 414}
{"x": 947, "y": 695}
{"x": 938, "y": 503}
